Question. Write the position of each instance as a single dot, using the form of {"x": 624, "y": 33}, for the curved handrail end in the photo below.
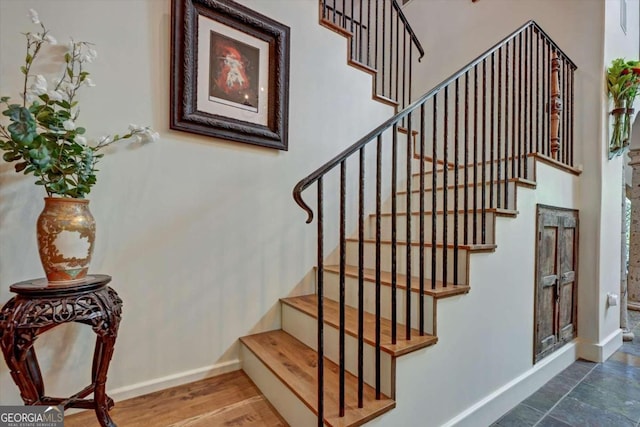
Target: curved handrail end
{"x": 297, "y": 196}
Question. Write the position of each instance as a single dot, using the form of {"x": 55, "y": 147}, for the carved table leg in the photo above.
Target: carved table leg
{"x": 102, "y": 357}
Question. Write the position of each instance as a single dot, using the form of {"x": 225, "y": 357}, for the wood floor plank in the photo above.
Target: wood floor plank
{"x": 295, "y": 365}
{"x": 309, "y": 304}
{"x": 226, "y": 400}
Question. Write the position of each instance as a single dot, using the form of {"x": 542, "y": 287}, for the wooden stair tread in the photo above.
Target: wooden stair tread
{"x": 553, "y": 162}
{"x": 440, "y": 290}
{"x": 295, "y": 365}
{"x": 309, "y": 304}
{"x": 519, "y": 181}
{"x": 497, "y": 211}
{"x": 471, "y": 247}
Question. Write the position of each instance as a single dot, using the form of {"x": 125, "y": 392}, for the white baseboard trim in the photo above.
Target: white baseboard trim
{"x": 489, "y": 409}
{"x": 599, "y": 352}
{"x": 156, "y": 384}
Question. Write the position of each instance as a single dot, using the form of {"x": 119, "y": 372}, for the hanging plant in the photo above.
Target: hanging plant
{"x": 623, "y": 81}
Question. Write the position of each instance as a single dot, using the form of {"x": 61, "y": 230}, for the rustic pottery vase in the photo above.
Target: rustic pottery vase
{"x": 66, "y": 234}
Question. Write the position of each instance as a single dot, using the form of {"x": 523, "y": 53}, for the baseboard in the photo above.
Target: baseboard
{"x": 489, "y": 409}
{"x": 146, "y": 387}
{"x": 599, "y": 352}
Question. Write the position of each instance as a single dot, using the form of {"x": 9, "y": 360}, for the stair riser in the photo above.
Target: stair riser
{"x": 332, "y": 291}
{"x": 401, "y": 260}
{"x": 386, "y": 222}
{"x": 304, "y": 328}
{"x": 428, "y": 178}
{"x": 290, "y": 407}
{"x": 401, "y": 199}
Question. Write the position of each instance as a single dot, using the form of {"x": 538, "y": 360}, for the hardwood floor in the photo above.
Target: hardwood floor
{"x": 226, "y": 400}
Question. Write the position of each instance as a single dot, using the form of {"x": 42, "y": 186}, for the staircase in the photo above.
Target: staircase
{"x": 418, "y": 197}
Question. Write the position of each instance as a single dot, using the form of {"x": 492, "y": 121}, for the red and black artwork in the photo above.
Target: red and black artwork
{"x": 234, "y": 73}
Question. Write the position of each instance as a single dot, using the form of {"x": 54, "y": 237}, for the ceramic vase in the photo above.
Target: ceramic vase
{"x": 66, "y": 233}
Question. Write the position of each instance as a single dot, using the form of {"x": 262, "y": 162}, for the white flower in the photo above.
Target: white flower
{"x": 81, "y": 140}
{"x": 68, "y": 125}
{"x": 34, "y": 37}
{"x": 39, "y": 86}
{"x": 56, "y": 95}
{"x": 135, "y": 128}
{"x": 136, "y": 138}
{"x": 49, "y": 38}
{"x": 34, "y": 16}
{"x": 89, "y": 82}
{"x": 149, "y": 135}
{"x": 89, "y": 56}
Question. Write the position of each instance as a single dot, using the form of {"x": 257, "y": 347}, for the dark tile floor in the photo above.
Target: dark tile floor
{"x": 587, "y": 394}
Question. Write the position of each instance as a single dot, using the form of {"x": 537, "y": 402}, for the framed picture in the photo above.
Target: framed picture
{"x": 229, "y": 73}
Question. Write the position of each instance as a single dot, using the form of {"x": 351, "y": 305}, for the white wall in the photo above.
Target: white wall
{"x": 201, "y": 235}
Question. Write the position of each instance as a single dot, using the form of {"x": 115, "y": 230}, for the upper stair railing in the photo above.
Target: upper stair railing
{"x": 381, "y": 42}
{"x": 478, "y": 128}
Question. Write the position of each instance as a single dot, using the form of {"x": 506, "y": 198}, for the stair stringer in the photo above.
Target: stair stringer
{"x": 482, "y": 364}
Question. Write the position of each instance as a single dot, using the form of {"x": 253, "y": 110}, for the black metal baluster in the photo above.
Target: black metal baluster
{"x": 378, "y": 232}
{"x": 368, "y": 33}
{"x": 360, "y": 25}
{"x": 538, "y": 84}
{"x": 520, "y": 96}
{"x": 344, "y": 14}
{"x": 404, "y": 66}
{"x": 456, "y": 164}
{"x": 397, "y": 98}
{"x": 334, "y": 11}
{"x": 376, "y": 38}
{"x": 492, "y": 133}
{"x": 571, "y": 117}
{"x": 465, "y": 223}
{"x": 445, "y": 183}
{"x": 546, "y": 150}
{"x": 499, "y": 132}
{"x": 320, "y": 293}
{"x": 529, "y": 85}
{"x": 384, "y": 47}
{"x": 475, "y": 154}
{"x": 565, "y": 111}
{"x": 410, "y": 76}
{"x": 506, "y": 128}
{"x": 361, "y": 279}
{"x": 354, "y": 39}
{"x": 394, "y": 236}
{"x": 434, "y": 186}
{"x": 514, "y": 128}
{"x": 483, "y": 193}
{"x": 421, "y": 211}
{"x": 408, "y": 230}
{"x": 323, "y": 5}
{"x": 343, "y": 251}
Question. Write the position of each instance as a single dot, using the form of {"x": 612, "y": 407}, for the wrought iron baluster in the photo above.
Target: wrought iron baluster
{"x": 343, "y": 251}
{"x": 320, "y": 293}
{"x": 361, "y": 201}
{"x": 408, "y": 230}
{"x": 378, "y": 259}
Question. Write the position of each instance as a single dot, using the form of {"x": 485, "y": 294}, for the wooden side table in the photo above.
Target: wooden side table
{"x": 38, "y": 307}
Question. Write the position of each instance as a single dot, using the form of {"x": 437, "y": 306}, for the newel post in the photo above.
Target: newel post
{"x": 555, "y": 105}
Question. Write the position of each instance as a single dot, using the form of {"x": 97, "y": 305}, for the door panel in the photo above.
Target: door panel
{"x": 556, "y": 263}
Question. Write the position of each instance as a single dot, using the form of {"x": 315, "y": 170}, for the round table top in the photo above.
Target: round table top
{"x": 42, "y": 287}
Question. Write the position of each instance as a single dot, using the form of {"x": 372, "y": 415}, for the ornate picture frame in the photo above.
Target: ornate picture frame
{"x": 229, "y": 73}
